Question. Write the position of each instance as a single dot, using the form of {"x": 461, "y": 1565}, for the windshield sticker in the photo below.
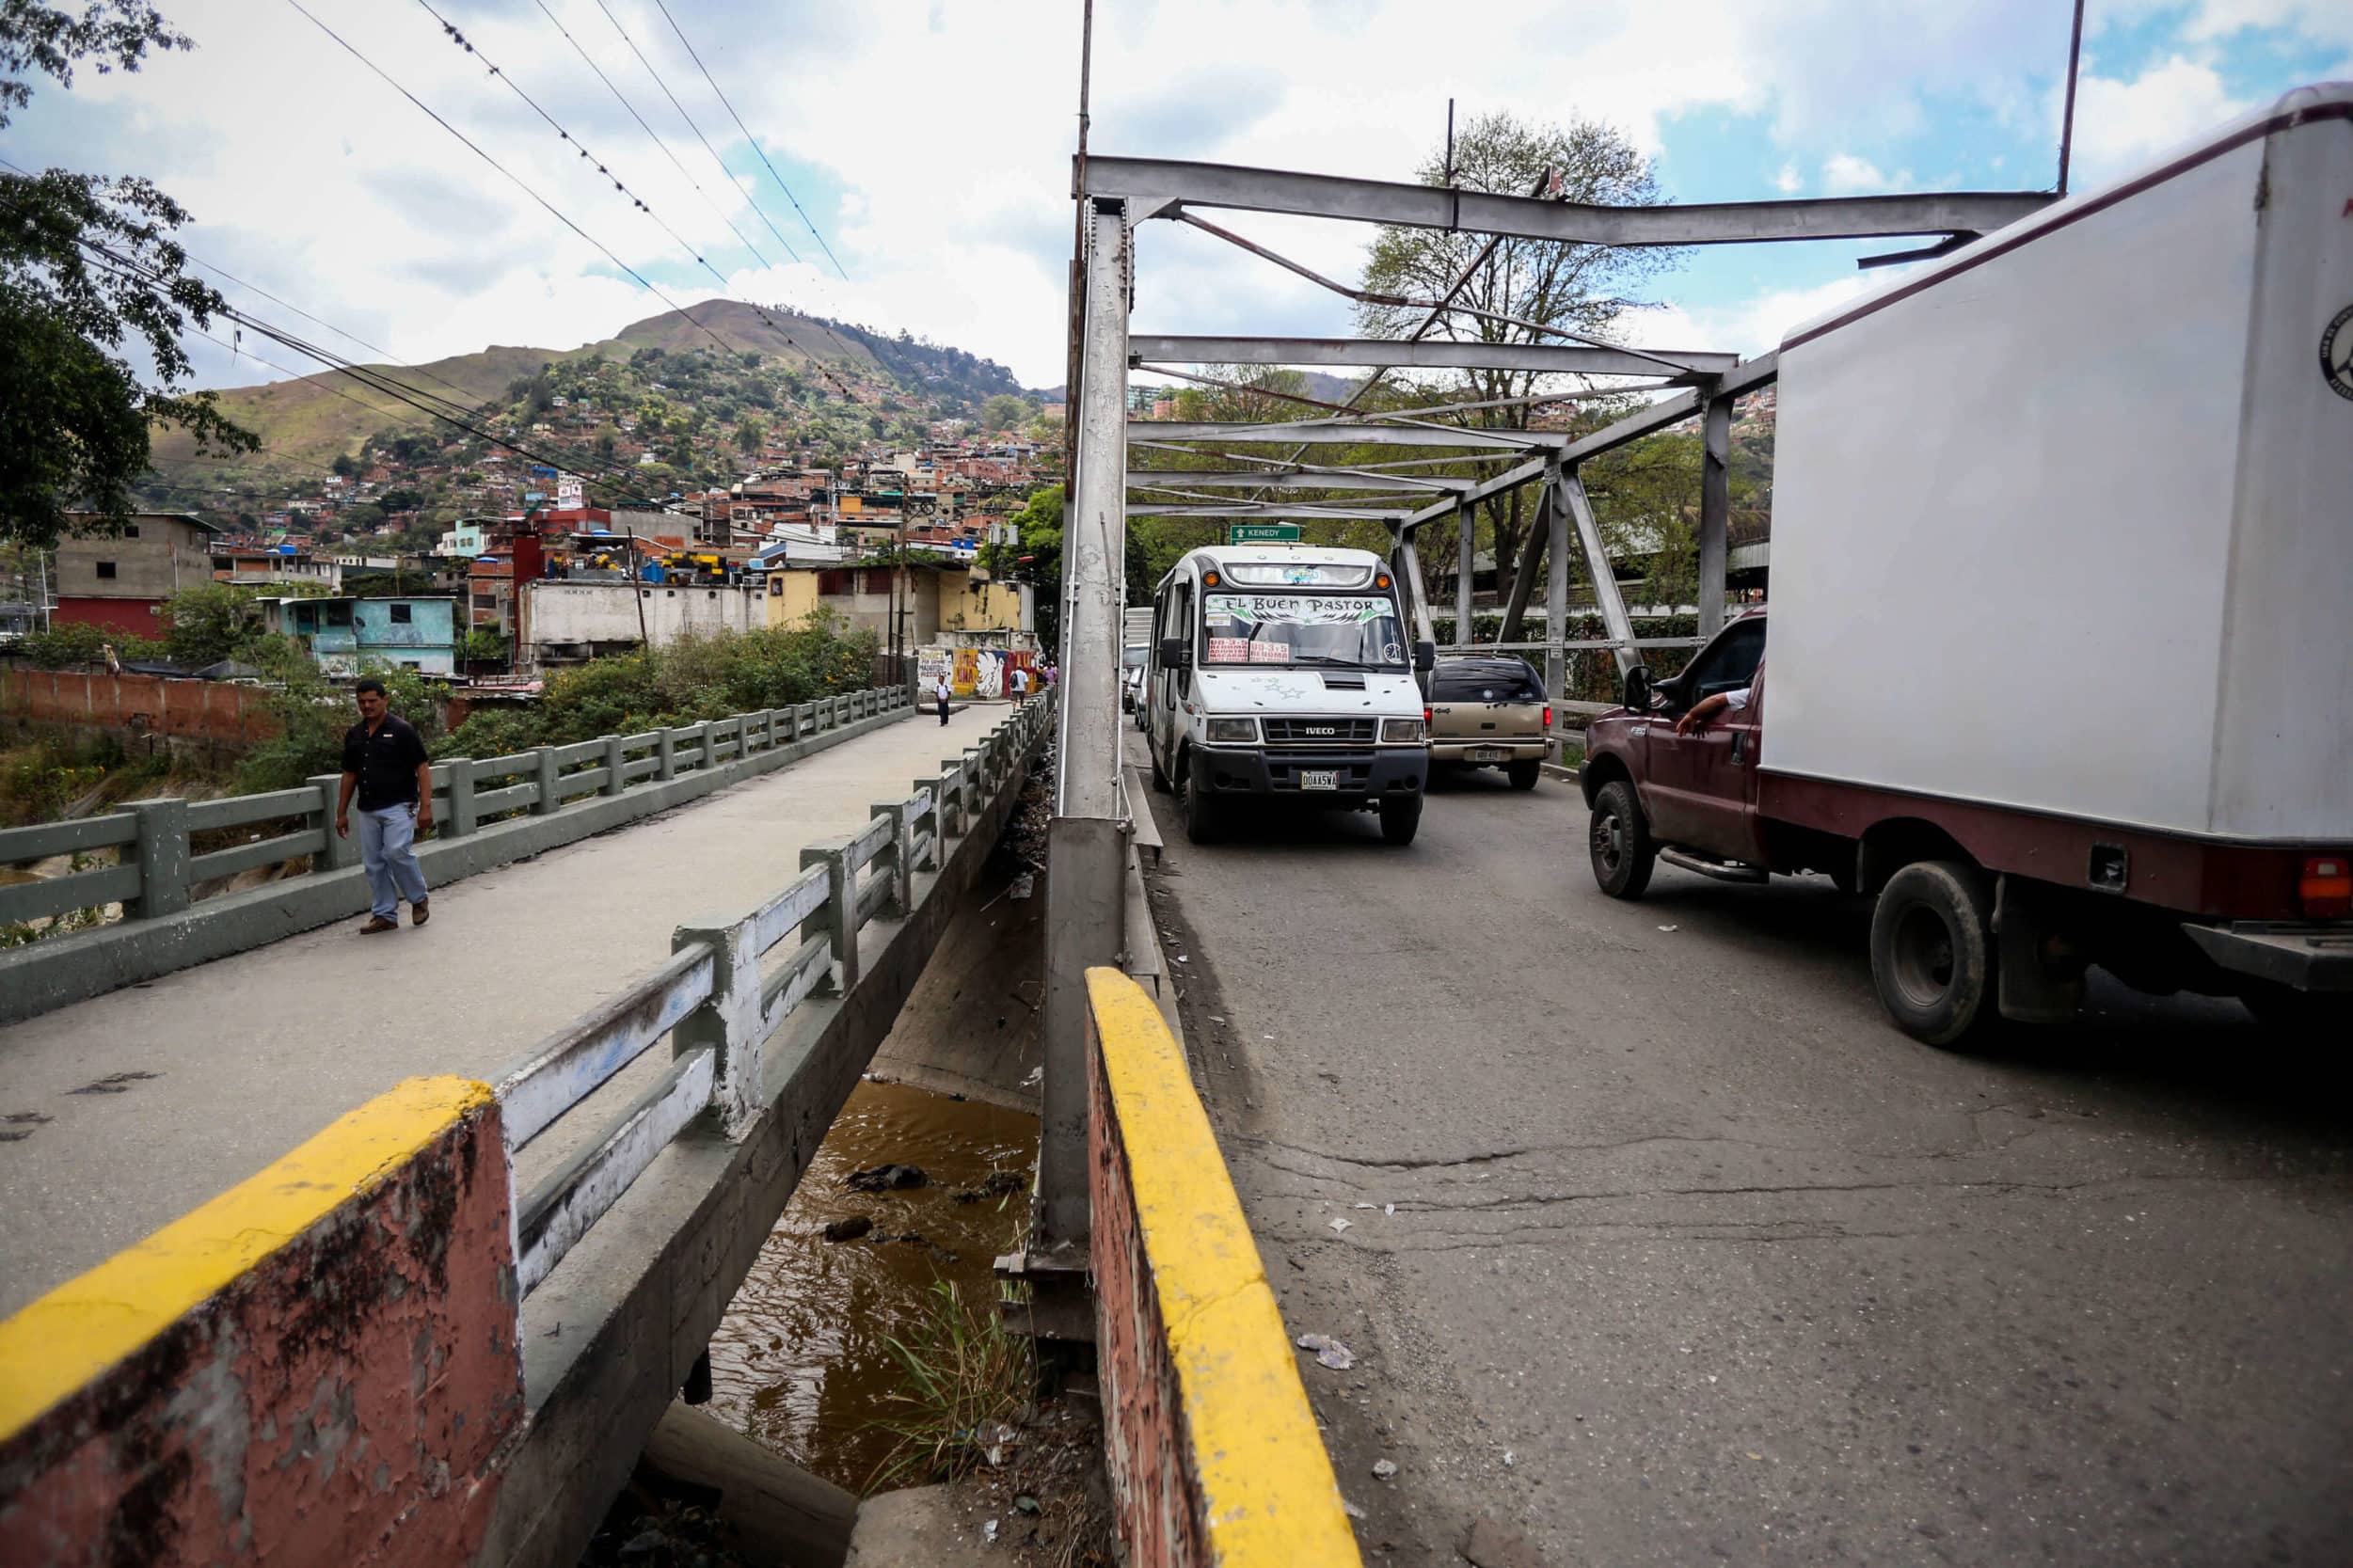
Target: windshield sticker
{"x": 1229, "y": 650}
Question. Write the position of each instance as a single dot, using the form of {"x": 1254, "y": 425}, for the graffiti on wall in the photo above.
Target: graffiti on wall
{"x": 985, "y": 672}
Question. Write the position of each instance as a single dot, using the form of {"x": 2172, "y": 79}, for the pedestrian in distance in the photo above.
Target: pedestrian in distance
{"x": 386, "y": 765}
{"x": 939, "y": 689}
{"x": 1021, "y": 681}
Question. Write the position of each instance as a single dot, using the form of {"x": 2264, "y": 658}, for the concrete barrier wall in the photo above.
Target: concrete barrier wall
{"x": 320, "y": 1366}
{"x": 139, "y": 705}
{"x": 1212, "y": 1447}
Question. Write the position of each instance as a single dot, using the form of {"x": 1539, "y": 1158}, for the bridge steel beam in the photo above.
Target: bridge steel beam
{"x": 1715, "y": 509}
{"x": 1085, "y": 858}
{"x": 1161, "y": 187}
{"x": 1424, "y": 353}
{"x": 1244, "y": 479}
{"x": 1270, "y": 509}
{"x": 1349, "y": 432}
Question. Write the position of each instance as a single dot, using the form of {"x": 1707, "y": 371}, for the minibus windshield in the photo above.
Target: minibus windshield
{"x": 1352, "y": 629}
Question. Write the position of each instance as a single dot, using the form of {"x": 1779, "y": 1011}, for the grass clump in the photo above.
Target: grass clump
{"x": 961, "y": 1376}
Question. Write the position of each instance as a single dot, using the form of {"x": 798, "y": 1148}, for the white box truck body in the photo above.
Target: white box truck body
{"x": 2065, "y": 523}
{"x": 2060, "y": 665}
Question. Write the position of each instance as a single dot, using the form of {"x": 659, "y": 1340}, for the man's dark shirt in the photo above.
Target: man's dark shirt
{"x": 385, "y": 762}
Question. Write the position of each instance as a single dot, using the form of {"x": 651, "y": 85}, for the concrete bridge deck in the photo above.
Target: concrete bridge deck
{"x": 153, "y": 1099}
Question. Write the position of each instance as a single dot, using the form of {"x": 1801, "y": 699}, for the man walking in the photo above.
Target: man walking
{"x": 385, "y": 763}
{"x": 940, "y": 690}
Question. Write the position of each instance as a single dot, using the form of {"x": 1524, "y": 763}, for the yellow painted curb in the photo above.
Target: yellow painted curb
{"x": 1267, "y": 1483}
{"x": 57, "y": 1345}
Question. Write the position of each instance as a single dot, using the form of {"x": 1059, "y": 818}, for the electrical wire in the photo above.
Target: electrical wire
{"x": 752, "y": 200}
{"x": 664, "y": 9}
{"x": 590, "y": 61}
{"x": 367, "y": 377}
{"x": 256, "y": 288}
{"x": 471, "y": 146}
{"x": 459, "y": 38}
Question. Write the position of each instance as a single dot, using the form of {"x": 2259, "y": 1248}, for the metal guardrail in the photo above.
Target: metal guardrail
{"x": 720, "y": 998}
{"x": 155, "y": 873}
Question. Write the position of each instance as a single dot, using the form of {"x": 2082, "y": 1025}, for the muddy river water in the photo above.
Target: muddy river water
{"x": 799, "y": 1361}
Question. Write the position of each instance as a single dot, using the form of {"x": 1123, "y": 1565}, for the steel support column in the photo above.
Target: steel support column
{"x": 1465, "y": 541}
{"x": 1555, "y": 586}
{"x": 1715, "y": 509}
{"x": 1084, "y": 892}
{"x": 1405, "y": 561}
{"x": 1605, "y": 595}
{"x": 1524, "y": 574}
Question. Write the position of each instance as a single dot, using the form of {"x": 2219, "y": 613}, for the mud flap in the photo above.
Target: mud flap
{"x": 2028, "y": 990}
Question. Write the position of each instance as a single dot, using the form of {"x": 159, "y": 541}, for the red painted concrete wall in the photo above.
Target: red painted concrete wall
{"x": 138, "y": 617}
{"x": 343, "y": 1403}
{"x": 139, "y": 704}
{"x": 1142, "y": 1408}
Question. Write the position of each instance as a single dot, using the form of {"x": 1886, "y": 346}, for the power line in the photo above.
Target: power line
{"x": 459, "y": 39}
{"x": 474, "y": 147}
{"x": 256, "y": 288}
{"x": 694, "y": 127}
{"x": 664, "y": 9}
{"x": 697, "y": 129}
{"x": 374, "y": 380}
{"x": 590, "y": 61}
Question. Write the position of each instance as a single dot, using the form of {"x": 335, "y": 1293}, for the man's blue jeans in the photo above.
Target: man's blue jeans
{"x": 385, "y": 849}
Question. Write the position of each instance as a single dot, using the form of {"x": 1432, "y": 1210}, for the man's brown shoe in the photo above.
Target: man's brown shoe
{"x": 421, "y": 912}
{"x": 378, "y": 923}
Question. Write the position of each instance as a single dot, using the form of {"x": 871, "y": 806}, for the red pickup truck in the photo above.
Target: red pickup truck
{"x": 1979, "y": 907}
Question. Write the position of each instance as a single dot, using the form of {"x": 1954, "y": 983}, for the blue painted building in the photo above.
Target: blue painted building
{"x": 347, "y": 636}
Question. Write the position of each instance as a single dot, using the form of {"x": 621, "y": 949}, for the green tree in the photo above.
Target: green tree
{"x": 1553, "y": 292}
{"x": 208, "y": 622}
{"x": 345, "y": 466}
{"x": 85, "y": 263}
{"x": 748, "y": 436}
{"x": 1005, "y": 412}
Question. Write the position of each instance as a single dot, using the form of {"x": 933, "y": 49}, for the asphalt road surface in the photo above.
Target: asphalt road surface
{"x": 1694, "y": 1258}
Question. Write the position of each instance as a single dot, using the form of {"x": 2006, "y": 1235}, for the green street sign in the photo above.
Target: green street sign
{"x": 1262, "y": 533}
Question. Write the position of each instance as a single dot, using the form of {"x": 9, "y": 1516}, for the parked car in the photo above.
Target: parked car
{"x": 1132, "y": 661}
{"x": 1488, "y": 710}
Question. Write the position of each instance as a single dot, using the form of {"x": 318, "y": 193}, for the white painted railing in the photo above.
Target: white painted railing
{"x": 719, "y": 1002}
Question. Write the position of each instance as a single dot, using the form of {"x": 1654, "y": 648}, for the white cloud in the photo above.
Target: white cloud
{"x": 2120, "y": 124}
{"x": 933, "y": 142}
{"x": 1757, "y": 325}
{"x": 1843, "y": 174}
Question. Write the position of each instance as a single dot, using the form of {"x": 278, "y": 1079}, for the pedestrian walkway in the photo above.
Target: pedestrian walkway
{"x": 125, "y": 1111}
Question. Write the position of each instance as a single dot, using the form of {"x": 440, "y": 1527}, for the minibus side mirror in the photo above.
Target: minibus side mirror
{"x": 1425, "y": 656}
{"x": 1176, "y": 653}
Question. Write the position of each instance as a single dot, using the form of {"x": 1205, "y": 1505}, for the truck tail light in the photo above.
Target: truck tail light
{"x": 1548, "y": 718}
{"x": 1426, "y": 719}
{"x": 2326, "y": 888}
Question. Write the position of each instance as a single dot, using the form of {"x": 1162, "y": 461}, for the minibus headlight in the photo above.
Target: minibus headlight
{"x": 1402, "y": 729}
{"x": 1233, "y": 731}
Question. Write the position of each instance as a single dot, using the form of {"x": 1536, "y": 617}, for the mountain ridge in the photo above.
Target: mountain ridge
{"x": 305, "y": 421}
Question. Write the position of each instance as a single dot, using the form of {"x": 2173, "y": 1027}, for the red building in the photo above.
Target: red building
{"x": 120, "y": 581}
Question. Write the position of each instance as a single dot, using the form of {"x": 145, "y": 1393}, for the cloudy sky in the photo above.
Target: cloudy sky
{"x": 928, "y": 141}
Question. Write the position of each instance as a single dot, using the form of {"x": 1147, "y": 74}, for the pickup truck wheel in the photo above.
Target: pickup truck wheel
{"x": 2298, "y": 1012}
{"x": 1932, "y": 951}
{"x": 1523, "y": 775}
{"x": 1203, "y": 815}
{"x": 1619, "y": 837}
{"x": 1401, "y": 820}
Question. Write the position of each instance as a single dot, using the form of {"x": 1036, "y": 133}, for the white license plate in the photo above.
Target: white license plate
{"x": 1489, "y": 753}
{"x": 1319, "y": 778}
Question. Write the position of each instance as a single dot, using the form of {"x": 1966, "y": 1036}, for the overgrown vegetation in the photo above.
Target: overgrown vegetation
{"x": 963, "y": 1375}
{"x": 42, "y": 778}
{"x": 681, "y": 683}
